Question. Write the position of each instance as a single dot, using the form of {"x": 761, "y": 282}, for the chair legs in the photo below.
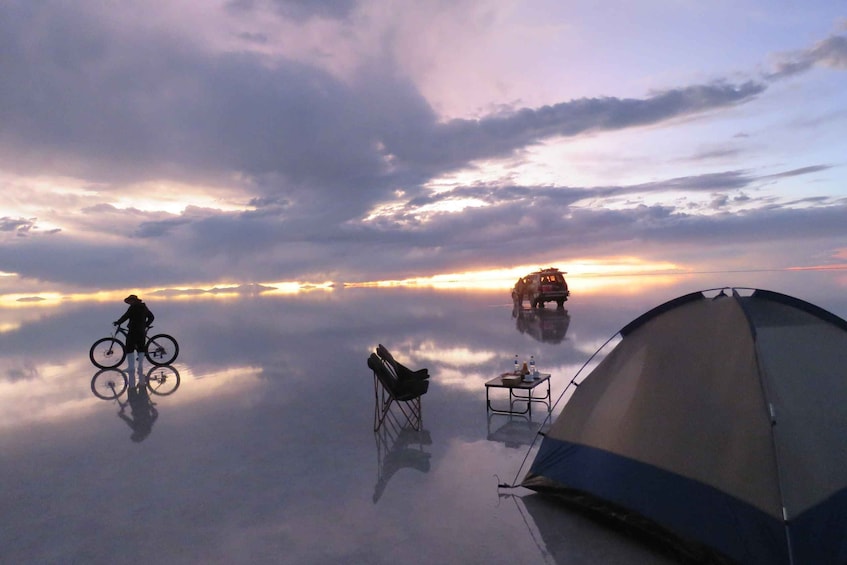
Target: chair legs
{"x": 411, "y": 409}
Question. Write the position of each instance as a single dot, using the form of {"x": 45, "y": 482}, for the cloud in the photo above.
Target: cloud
{"x": 18, "y": 225}
{"x": 308, "y": 154}
{"x": 256, "y": 247}
{"x": 133, "y": 108}
{"x": 830, "y": 53}
{"x": 460, "y": 141}
{"x": 297, "y": 10}
{"x": 798, "y": 172}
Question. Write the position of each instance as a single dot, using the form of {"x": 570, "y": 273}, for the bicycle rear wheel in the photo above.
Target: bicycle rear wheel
{"x": 108, "y": 384}
{"x": 163, "y": 380}
{"x": 162, "y": 349}
{"x": 107, "y": 353}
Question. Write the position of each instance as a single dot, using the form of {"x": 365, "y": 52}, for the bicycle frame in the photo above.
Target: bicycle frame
{"x": 124, "y": 331}
{"x": 160, "y": 349}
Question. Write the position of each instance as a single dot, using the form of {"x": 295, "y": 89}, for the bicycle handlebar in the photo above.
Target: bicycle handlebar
{"x": 120, "y": 328}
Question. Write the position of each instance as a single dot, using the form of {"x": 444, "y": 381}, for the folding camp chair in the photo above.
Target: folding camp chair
{"x": 403, "y": 372}
{"x": 389, "y": 391}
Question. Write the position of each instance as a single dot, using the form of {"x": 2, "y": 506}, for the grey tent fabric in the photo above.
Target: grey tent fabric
{"x": 723, "y": 419}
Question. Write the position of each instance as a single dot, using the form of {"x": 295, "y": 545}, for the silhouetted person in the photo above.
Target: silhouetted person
{"x": 139, "y": 317}
{"x": 143, "y": 413}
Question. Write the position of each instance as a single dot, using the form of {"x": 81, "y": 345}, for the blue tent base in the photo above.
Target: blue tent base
{"x": 819, "y": 535}
{"x": 685, "y": 508}
{"x": 635, "y": 526}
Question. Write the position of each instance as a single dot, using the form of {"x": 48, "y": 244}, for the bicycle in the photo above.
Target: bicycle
{"x": 109, "y": 384}
{"x": 109, "y": 352}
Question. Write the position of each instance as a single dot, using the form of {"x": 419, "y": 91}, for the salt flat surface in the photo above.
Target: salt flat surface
{"x": 265, "y": 452}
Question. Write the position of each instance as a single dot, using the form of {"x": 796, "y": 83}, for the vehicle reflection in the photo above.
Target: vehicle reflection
{"x": 398, "y": 447}
{"x": 547, "y": 325}
{"x": 113, "y": 384}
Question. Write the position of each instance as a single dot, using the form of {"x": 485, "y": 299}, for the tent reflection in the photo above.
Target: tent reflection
{"x": 571, "y": 536}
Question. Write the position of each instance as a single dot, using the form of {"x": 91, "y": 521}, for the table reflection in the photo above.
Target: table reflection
{"x": 516, "y": 430}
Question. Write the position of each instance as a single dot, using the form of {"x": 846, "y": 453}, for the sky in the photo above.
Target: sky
{"x": 185, "y": 144}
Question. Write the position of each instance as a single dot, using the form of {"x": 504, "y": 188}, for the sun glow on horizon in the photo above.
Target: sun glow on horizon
{"x": 585, "y": 275}
{"x": 220, "y": 291}
{"x": 500, "y": 279}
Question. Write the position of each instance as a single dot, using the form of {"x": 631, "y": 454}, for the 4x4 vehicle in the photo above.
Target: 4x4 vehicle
{"x": 545, "y": 285}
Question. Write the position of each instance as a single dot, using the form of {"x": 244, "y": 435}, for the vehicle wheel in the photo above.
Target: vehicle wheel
{"x": 162, "y": 349}
{"x": 107, "y": 353}
{"x": 108, "y": 384}
{"x": 163, "y": 380}
{"x": 560, "y": 303}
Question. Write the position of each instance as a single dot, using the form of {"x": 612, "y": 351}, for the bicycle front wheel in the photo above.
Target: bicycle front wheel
{"x": 162, "y": 349}
{"x": 108, "y": 384}
{"x": 107, "y": 353}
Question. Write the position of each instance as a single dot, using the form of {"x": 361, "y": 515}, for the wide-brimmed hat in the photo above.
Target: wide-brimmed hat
{"x": 131, "y": 299}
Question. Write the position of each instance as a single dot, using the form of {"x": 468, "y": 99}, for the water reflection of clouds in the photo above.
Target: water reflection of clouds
{"x": 267, "y": 446}
{"x": 33, "y": 392}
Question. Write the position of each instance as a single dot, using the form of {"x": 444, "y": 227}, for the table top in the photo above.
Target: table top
{"x": 498, "y": 381}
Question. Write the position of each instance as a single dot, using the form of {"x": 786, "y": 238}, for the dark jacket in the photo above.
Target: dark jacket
{"x": 139, "y": 316}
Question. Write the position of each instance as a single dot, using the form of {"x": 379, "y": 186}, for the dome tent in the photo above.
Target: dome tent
{"x": 719, "y": 420}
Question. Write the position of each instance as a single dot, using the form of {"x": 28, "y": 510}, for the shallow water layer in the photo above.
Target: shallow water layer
{"x": 264, "y": 451}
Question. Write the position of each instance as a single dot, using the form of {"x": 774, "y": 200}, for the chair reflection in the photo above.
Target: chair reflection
{"x": 547, "y": 325}
{"x": 515, "y": 430}
{"x": 399, "y": 447}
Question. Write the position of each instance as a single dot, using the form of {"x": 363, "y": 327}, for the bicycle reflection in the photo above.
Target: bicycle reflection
{"x": 112, "y": 384}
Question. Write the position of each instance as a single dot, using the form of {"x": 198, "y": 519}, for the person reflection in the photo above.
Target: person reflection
{"x": 143, "y": 413}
